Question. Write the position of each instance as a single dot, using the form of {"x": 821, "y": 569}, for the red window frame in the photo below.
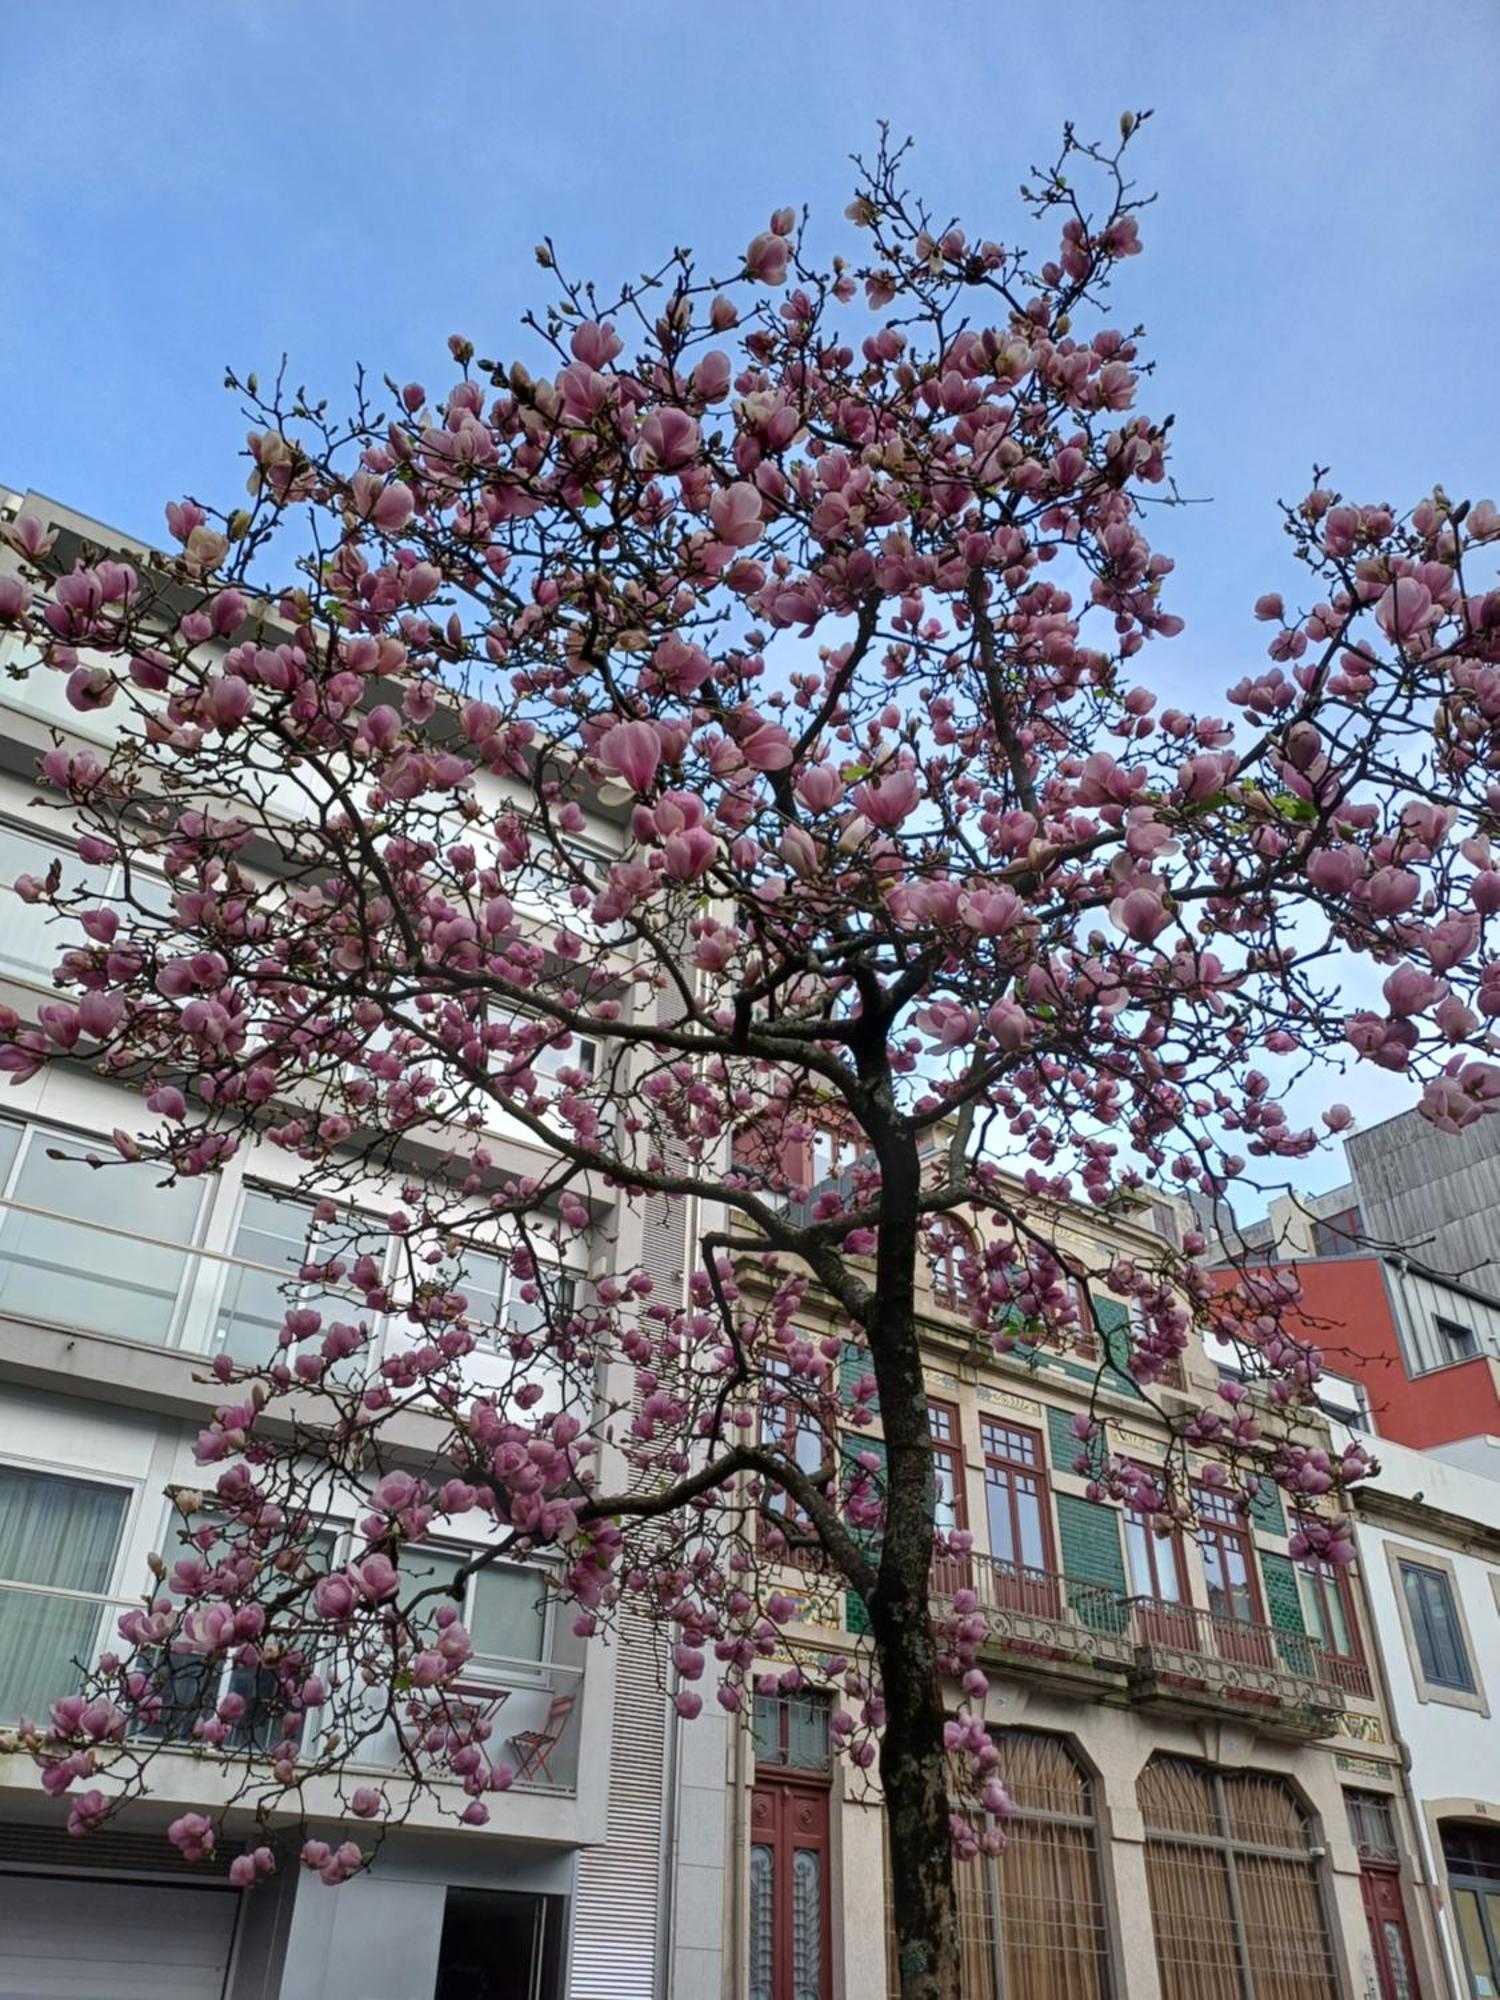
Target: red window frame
{"x": 1014, "y": 1465}
{"x": 1224, "y": 1530}
{"x": 1086, "y": 1340}
{"x": 786, "y": 1425}
{"x": 1154, "y": 1544}
{"x": 948, "y": 1455}
{"x": 1325, "y": 1576}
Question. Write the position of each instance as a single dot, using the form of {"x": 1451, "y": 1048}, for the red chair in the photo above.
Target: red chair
{"x": 534, "y": 1746}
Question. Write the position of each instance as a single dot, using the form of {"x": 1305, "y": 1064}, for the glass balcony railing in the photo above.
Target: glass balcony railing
{"x": 50, "y": 1637}
{"x": 93, "y": 1277}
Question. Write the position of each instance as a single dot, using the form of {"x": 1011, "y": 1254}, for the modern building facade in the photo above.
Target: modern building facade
{"x": 114, "y": 1293}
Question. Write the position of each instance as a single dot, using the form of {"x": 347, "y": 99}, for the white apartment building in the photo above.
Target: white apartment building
{"x": 1428, "y": 1537}
{"x": 113, "y": 1291}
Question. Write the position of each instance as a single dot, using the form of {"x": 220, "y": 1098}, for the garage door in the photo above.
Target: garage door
{"x": 75, "y": 1939}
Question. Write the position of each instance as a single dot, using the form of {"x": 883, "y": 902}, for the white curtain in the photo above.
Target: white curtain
{"x": 65, "y": 1533}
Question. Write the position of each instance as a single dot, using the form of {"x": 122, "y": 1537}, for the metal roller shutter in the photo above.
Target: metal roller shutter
{"x": 88, "y": 1939}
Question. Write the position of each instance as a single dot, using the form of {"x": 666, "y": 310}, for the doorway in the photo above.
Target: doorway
{"x": 498, "y": 1945}
{"x": 1472, "y": 1857}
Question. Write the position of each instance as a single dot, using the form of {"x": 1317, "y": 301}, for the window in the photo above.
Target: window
{"x": 59, "y": 1539}
{"x": 1156, "y": 1567}
{"x": 1031, "y": 1920}
{"x": 1472, "y": 1857}
{"x": 504, "y": 1606}
{"x": 498, "y": 1307}
{"x": 1435, "y": 1628}
{"x": 791, "y": 1732}
{"x": 1015, "y": 1502}
{"x": 1020, "y": 1532}
{"x": 1228, "y": 1558}
{"x": 1456, "y": 1342}
{"x": 954, "y": 1248}
{"x": 92, "y": 1247}
{"x": 276, "y": 1236}
{"x": 947, "y": 1468}
{"x": 190, "y": 1686}
{"x": 789, "y": 1422}
{"x": 1325, "y": 1607}
{"x": 1372, "y": 1826}
{"x": 33, "y": 936}
{"x": 1236, "y": 1903}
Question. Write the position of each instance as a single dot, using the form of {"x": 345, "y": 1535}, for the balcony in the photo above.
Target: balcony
{"x": 1039, "y": 1620}
{"x": 47, "y": 1633}
{"x": 1166, "y": 1655}
{"x": 1187, "y": 1660}
{"x": 80, "y": 1274}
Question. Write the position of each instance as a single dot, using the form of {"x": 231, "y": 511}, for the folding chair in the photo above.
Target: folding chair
{"x": 534, "y": 1746}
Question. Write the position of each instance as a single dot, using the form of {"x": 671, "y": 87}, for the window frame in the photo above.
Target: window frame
{"x": 1400, "y": 1557}
{"x": 949, "y": 1451}
{"x": 1457, "y": 1343}
{"x": 1232, "y": 1849}
{"x": 233, "y": 1262}
{"x": 958, "y": 1242}
{"x": 1315, "y": 1576}
{"x": 1220, "y": 1526}
{"x": 32, "y": 1129}
{"x": 993, "y": 1941}
{"x": 112, "y": 1597}
{"x": 111, "y": 890}
{"x": 1003, "y": 1469}
{"x": 1133, "y": 1518}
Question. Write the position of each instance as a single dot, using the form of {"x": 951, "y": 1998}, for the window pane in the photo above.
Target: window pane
{"x": 1138, "y": 1555}
{"x": 762, "y": 1923}
{"x": 507, "y": 1613}
{"x": 1434, "y": 1622}
{"x": 807, "y": 1733}
{"x": 1002, "y": 1532}
{"x": 807, "y": 1925}
{"x": 424, "y": 1569}
{"x": 64, "y": 1271}
{"x": 279, "y": 1232}
{"x": 31, "y": 937}
{"x": 65, "y": 1533}
{"x": 1029, "y": 1512}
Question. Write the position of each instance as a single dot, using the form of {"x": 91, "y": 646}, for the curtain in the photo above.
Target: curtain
{"x": 59, "y": 1532}
{"x": 1285, "y": 1940}
{"x": 1190, "y": 1914}
{"x": 1051, "y": 1921}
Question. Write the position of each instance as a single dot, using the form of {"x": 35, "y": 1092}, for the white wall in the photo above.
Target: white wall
{"x": 1455, "y": 1750}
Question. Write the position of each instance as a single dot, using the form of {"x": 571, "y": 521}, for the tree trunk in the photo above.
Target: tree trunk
{"x": 913, "y": 1762}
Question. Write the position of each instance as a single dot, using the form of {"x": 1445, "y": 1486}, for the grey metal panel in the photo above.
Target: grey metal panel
{"x": 1433, "y": 1196}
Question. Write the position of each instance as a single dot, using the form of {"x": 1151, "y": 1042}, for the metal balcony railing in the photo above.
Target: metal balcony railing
{"x": 1178, "y": 1646}
{"x": 1037, "y": 1611}
{"x": 1186, "y": 1647}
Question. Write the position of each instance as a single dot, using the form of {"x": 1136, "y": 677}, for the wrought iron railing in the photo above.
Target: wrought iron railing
{"x": 1193, "y": 1648}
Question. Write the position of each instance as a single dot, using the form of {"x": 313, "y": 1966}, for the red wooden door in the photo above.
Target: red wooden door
{"x": 790, "y": 1948}
{"x": 1389, "y": 1936}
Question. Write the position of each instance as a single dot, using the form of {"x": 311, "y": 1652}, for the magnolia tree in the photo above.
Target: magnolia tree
{"x": 833, "y": 576}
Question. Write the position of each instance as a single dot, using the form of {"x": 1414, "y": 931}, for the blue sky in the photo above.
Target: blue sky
{"x": 187, "y": 185}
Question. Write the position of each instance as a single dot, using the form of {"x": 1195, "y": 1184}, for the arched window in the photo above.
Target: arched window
{"x": 1236, "y": 1904}
{"x": 1031, "y": 1920}
{"x": 953, "y": 1247}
